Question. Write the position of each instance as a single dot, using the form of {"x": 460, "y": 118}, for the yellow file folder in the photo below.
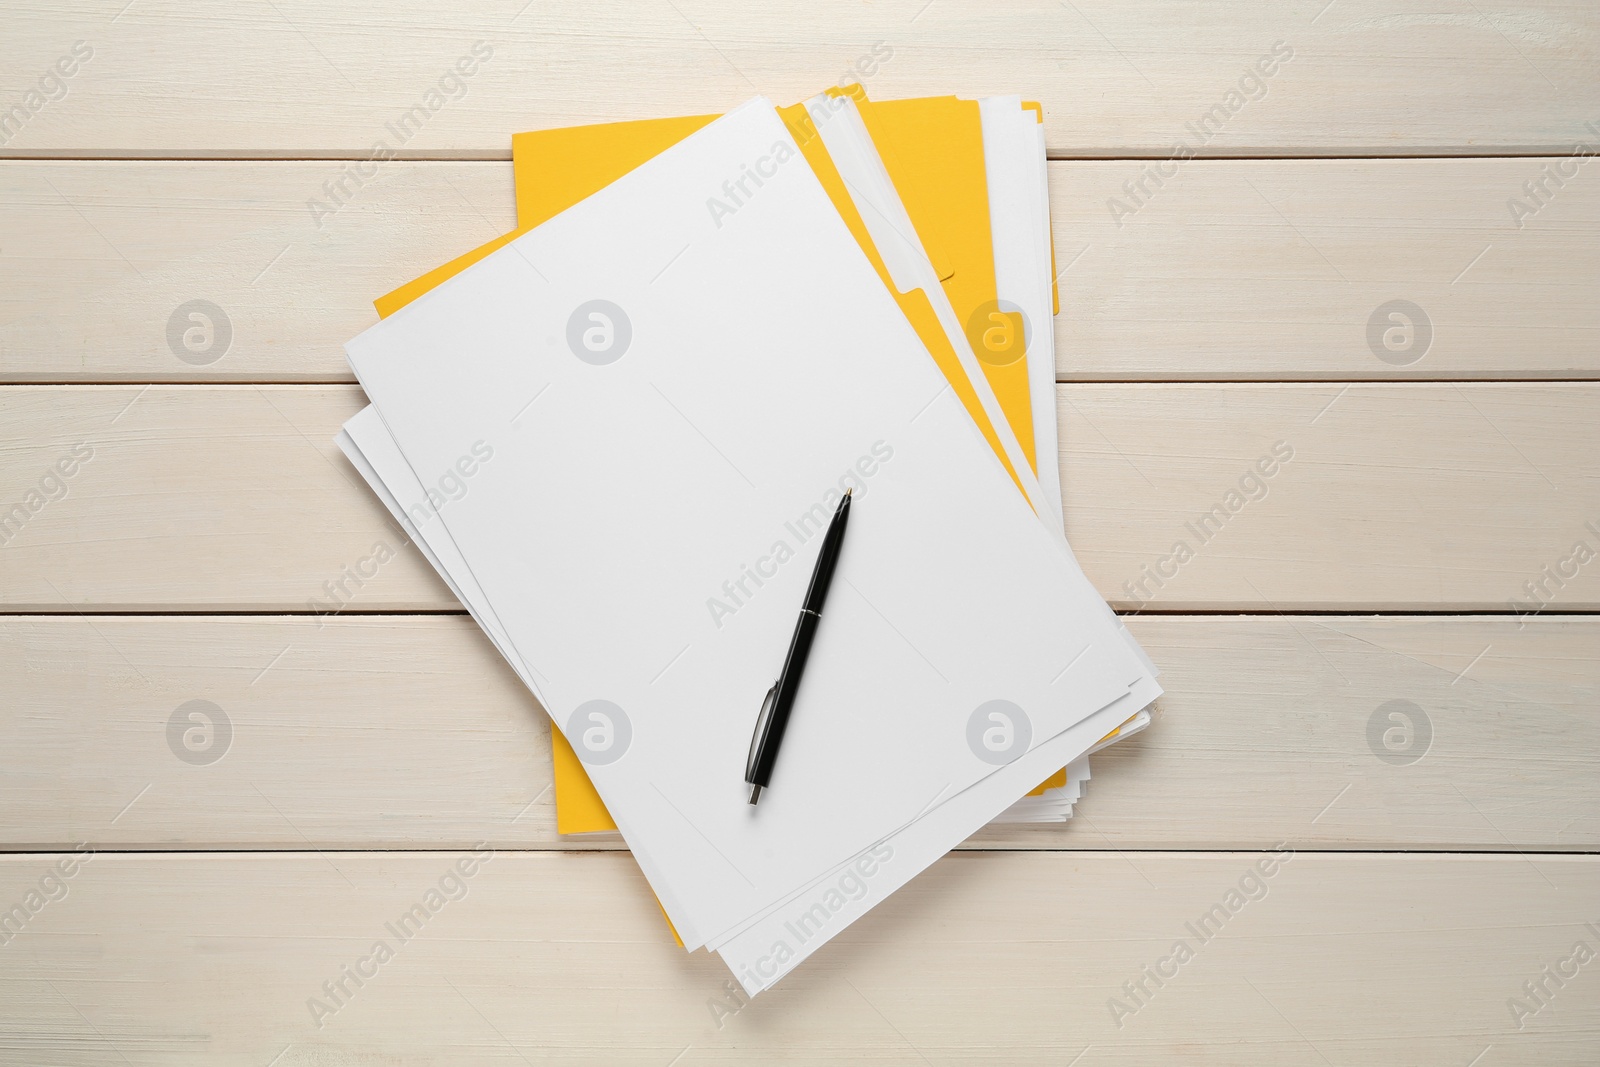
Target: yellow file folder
{"x": 933, "y": 150}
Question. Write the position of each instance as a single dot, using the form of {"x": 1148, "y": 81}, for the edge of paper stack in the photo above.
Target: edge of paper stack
{"x": 947, "y": 199}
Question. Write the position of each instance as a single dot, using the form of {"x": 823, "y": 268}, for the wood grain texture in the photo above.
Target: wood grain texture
{"x": 409, "y": 732}
{"x": 230, "y": 497}
{"x": 1226, "y": 270}
{"x": 1397, "y": 498}
{"x": 1447, "y": 496}
{"x": 138, "y": 240}
{"x": 1001, "y": 958}
{"x": 296, "y": 78}
{"x": 1274, "y": 270}
{"x": 364, "y": 751}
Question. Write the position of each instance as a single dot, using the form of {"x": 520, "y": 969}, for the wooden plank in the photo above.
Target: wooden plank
{"x": 140, "y": 241}
{"x": 1227, "y": 270}
{"x": 1011, "y": 958}
{"x": 230, "y": 497}
{"x": 295, "y": 77}
{"x": 1277, "y": 270}
{"x": 408, "y": 732}
{"x": 1440, "y": 497}
{"x": 1397, "y": 498}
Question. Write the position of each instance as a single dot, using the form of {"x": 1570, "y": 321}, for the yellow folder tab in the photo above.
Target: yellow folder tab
{"x": 932, "y": 148}
{"x": 554, "y": 169}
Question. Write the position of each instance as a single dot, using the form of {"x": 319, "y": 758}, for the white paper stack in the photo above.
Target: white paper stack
{"x": 655, "y": 405}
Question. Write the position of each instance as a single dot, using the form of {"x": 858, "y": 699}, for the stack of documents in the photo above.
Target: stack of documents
{"x": 619, "y": 433}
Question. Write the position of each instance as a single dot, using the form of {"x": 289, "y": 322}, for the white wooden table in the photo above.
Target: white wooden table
{"x": 183, "y": 507}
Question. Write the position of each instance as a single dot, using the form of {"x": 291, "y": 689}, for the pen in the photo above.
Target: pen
{"x": 774, "y": 715}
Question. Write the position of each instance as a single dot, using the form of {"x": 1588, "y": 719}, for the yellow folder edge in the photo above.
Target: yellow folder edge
{"x": 592, "y": 157}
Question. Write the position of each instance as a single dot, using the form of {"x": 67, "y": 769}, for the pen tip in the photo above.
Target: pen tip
{"x": 755, "y": 793}
{"x": 850, "y": 490}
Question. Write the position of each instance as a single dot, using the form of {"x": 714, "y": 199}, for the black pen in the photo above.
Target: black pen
{"x": 775, "y": 708}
